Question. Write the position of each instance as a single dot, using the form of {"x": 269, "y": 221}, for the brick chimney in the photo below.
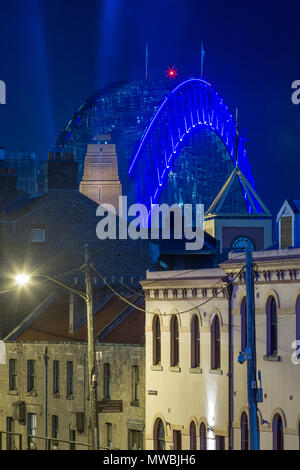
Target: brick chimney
{"x": 8, "y": 183}
{"x": 62, "y": 171}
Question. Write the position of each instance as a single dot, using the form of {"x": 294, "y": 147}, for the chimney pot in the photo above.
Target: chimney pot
{"x": 50, "y": 155}
{"x": 65, "y": 156}
{"x": 57, "y": 156}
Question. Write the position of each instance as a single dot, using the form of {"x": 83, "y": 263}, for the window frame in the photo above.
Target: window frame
{"x": 106, "y": 381}
{"x": 159, "y": 435}
{"x": 156, "y": 332}
{"x": 244, "y": 425}
{"x": 31, "y": 375}
{"x": 13, "y": 375}
{"x": 195, "y": 342}
{"x": 278, "y": 434}
{"x": 70, "y": 379}
{"x": 215, "y": 337}
{"x": 56, "y": 377}
{"x": 202, "y": 436}
{"x": 193, "y": 436}
{"x": 174, "y": 341}
{"x": 272, "y": 327}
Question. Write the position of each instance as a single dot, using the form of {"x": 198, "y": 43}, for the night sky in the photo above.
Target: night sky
{"x": 55, "y": 53}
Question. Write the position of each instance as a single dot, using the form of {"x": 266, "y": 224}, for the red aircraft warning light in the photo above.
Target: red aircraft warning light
{"x": 171, "y": 72}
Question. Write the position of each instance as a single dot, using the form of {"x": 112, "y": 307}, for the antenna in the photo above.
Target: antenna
{"x": 147, "y": 56}
{"x": 202, "y": 58}
{"x": 237, "y": 136}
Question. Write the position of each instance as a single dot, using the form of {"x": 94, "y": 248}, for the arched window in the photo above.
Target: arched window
{"x": 202, "y": 434}
{"x": 174, "y": 341}
{"x": 195, "y": 342}
{"x": 159, "y": 435}
{"x": 244, "y": 432}
{"x": 271, "y": 327}
{"x": 156, "y": 340}
{"x": 215, "y": 343}
{"x": 193, "y": 445}
{"x": 278, "y": 442}
{"x": 298, "y": 326}
{"x": 243, "y": 324}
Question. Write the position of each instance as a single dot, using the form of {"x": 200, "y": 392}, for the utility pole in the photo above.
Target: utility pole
{"x": 229, "y": 290}
{"x": 46, "y": 358}
{"x": 91, "y": 351}
{"x": 251, "y": 352}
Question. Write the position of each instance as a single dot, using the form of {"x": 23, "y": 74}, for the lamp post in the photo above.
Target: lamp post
{"x": 87, "y": 296}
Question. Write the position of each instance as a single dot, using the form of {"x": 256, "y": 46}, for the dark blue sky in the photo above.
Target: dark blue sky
{"x": 55, "y": 53}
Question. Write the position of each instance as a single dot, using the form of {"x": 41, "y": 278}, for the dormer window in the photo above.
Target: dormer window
{"x": 37, "y": 235}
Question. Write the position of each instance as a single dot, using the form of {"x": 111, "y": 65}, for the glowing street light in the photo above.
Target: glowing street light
{"x": 22, "y": 279}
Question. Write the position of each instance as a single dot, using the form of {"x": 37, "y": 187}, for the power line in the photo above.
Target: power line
{"x": 196, "y": 307}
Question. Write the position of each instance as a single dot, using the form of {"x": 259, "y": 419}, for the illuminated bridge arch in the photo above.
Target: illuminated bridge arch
{"x": 192, "y": 104}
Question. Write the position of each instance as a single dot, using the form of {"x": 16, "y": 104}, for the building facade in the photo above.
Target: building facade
{"x": 196, "y": 391}
{"x": 44, "y": 385}
{"x": 24, "y": 380}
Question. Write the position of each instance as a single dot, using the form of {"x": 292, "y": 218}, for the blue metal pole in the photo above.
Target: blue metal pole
{"x": 251, "y": 353}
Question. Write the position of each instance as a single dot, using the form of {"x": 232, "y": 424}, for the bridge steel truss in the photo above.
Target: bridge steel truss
{"x": 192, "y": 104}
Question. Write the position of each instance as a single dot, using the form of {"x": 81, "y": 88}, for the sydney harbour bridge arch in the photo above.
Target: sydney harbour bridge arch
{"x": 173, "y": 145}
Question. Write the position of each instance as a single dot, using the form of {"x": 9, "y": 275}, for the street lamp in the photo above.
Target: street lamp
{"x": 22, "y": 279}
{"x": 87, "y": 296}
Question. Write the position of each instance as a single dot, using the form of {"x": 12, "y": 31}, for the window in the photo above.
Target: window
{"x": 244, "y": 432}
{"x": 278, "y": 442}
{"x": 135, "y": 384}
{"x": 220, "y": 443}
{"x": 176, "y": 440}
{"x": 195, "y": 342}
{"x": 215, "y": 343}
{"x": 31, "y": 379}
{"x": 159, "y": 435}
{"x": 55, "y": 426}
{"x": 286, "y": 232}
{"x": 202, "y": 436}
{"x": 13, "y": 375}
{"x": 70, "y": 381}
{"x": 174, "y": 341}
{"x": 156, "y": 340}
{"x": 55, "y": 377}
{"x": 107, "y": 384}
{"x": 193, "y": 444}
{"x": 10, "y": 441}
{"x": 271, "y": 327}
{"x": 243, "y": 324}
{"x": 72, "y": 438}
{"x": 108, "y": 435}
{"x": 99, "y": 194}
{"x": 37, "y": 235}
{"x": 135, "y": 440}
{"x": 31, "y": 430}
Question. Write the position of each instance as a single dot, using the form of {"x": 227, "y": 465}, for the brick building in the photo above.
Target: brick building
{"x": 24, "y": 378}
{"x": 47, "y": 234}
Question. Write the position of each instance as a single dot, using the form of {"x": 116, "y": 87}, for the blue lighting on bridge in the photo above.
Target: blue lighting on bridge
{"x": 193, "y": 103}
